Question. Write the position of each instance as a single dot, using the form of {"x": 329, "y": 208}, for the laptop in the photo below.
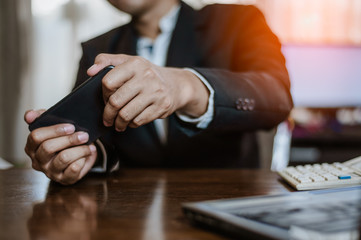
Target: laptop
{"x": 322, "y": 214}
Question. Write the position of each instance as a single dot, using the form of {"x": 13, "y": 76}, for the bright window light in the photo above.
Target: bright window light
{"x": 44, "y": 7}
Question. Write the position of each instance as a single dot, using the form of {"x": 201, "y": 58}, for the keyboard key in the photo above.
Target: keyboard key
{"x": 317, "y": 178}
{"x": 304, "y": 180}
{"x": 330, "y": 177}
{"x": 342, "y": 177}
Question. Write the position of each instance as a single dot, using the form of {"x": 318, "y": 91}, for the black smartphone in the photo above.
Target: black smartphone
{"x": 83, "y": 108}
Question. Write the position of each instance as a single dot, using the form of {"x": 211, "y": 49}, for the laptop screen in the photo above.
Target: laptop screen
{"x": 321, "y": 214}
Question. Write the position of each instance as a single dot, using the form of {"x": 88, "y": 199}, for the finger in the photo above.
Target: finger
{"x": 72, "y": 172}
{"x": 122, "y": 92}
{"x": 116, "y": 79}
{"x": 117, "y": 101}
{"x": 132, "y": 110}
{"x": 66, "y": 157}
{"x": 89, "y": 162}
{"x": 38, "y": 136}
{"x": 149, "y": 114}
{"x": 51, "y": 147}
{"x": 35, "y": 165}
{"x": 160, "y": 108}
{"x": 31, "y": 115}
{"x": 103, "y": 60}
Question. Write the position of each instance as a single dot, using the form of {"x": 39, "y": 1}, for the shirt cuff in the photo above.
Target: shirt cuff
{"x": 203, "y": 121}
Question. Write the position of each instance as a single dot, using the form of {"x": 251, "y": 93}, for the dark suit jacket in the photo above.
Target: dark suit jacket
{"x": 234, "y": 49}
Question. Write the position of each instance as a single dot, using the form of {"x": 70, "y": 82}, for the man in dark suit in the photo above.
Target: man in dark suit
{"x": 215, "y": 75}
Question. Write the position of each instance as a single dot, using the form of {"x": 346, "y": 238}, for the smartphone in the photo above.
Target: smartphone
{"x": 83, "y": 108}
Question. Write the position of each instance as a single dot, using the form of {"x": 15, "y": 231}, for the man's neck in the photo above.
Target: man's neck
{"x": 147, "y": 24}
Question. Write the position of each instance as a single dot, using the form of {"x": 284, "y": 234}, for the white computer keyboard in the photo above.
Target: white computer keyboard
{"x": 325, "y": 175}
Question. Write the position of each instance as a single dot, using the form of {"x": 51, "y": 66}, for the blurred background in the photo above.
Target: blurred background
{"x": 40, "y": 49}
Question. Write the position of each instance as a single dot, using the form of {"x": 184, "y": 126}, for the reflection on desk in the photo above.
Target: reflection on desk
{"x": 131, "y": 204}
{"x": 68, "y": 212}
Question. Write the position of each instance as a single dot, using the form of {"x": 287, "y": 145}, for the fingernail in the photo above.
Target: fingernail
{"x": 120, "y": 129}
{"x": 92, "y": 148}
{"x": 68, "y": 129}
{"x": 83, "y": 137}
{"x": 107, "y": 124}
{"x": 92, "y": 67}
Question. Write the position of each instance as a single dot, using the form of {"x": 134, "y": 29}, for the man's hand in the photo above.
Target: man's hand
{"x": 137, "y": 92}
{"x": 59, "y": 151}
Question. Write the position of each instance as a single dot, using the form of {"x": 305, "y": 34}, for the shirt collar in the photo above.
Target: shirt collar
{"x": 168, "y": 22}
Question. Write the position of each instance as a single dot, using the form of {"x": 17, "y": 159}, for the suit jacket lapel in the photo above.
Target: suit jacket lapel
{"x": 183, "y": 51}
{"x": 124, "y": 41}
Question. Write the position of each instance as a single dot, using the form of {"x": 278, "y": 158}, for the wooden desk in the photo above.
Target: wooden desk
{"x": 131, "y": 204}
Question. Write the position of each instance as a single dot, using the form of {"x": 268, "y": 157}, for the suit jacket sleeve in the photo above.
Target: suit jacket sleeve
{"x": 252, "y": 87}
